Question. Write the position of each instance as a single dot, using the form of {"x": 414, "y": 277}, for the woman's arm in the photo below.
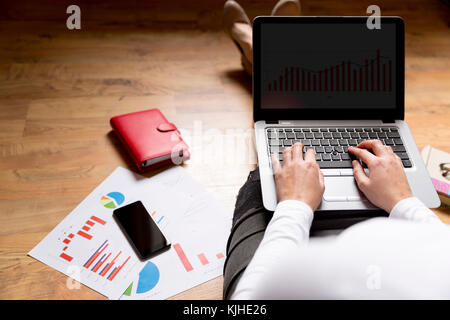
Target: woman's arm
{"x": 300, "y": 187}
{"x": 286, "y": 232}
{"x": 413, "y": 209}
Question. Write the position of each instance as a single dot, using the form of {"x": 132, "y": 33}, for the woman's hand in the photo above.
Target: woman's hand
{"x": 298, "y": 178}
{"x": 386, "y": 184}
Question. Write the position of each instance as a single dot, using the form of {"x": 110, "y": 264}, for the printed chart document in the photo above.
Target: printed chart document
{"x": 198, "y": 238}
{"x": 89, "y": 246}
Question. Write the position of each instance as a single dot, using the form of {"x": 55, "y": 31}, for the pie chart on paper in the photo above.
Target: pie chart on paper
{"x": 112, "y": 200}
{"x": 148, "y": 279}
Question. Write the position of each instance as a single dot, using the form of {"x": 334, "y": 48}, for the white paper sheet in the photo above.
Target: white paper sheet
{"x": 193, "y": 221}
{"x": 198, "y": 240}
{"x": 69, "y": 247}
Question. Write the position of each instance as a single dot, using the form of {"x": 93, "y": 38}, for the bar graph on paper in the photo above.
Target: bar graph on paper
{"x": 110, "y": 267}
{"x": 372, "y": 74}
{"x": 84, "y": 232}
{"x": 106, "y": 261}
{"x": 202, "y": 258}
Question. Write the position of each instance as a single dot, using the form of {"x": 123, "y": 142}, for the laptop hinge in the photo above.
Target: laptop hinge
{"x": 388, "y": 121}
{"x": 272, "y": 121}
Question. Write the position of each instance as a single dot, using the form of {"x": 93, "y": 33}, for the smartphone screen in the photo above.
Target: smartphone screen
{"x": 140, "y": 229}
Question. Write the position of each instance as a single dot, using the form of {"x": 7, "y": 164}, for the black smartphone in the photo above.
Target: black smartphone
{"x": 140, "y": 229}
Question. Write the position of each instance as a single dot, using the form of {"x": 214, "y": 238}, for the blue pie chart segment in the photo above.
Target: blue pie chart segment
{"x": 148, "y": 278}
{"x": 117, "y": 196}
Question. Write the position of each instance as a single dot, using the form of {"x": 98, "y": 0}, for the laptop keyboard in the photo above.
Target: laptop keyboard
{"x": 331, "y": 144}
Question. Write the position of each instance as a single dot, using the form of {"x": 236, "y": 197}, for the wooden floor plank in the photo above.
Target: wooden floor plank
{"x": 58, "y": 90}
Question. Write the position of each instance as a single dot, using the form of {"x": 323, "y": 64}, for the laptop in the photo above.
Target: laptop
{"x": 330, "y": 83}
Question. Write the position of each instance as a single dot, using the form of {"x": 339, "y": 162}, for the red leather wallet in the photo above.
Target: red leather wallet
{"x": 150, "y": 139}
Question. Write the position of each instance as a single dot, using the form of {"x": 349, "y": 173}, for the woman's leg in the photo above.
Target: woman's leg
{"x": 287, "y": 8}
{"x": 250, "y": 221}
{"x": 249, "y": 195}
{"x": 237, "y": 25}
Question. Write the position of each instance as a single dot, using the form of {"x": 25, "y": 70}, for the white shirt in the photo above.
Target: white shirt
{"x": 403, "y": 256}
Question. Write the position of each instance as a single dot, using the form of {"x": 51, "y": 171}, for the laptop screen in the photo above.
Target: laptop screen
{"x": 327, "y": 65}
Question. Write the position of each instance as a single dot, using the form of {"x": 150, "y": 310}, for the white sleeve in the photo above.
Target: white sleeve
{"x": 288, "y": 229}
{"x": 413, "y": 209}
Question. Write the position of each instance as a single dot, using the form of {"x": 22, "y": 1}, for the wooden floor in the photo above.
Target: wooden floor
{"x": 58, "y": 89}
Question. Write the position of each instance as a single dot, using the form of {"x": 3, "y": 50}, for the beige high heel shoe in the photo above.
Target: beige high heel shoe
{"x": 234, "y": 13}
{"x": 287, "y": 8}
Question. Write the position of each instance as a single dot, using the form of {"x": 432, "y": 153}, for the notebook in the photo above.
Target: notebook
{"x": 438, "y": 165}
{"x": 150, "y": 139}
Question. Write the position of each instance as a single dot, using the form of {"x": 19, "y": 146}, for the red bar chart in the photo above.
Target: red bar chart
{"x": 100, "y": 258}
{"x": 183, "y": 258}
{"x": 98, "y": 262}
{"x": 202, "y": 257}
{"x": 66, "y": 257}
{"x": 372, "y": 74}
{"x": 96, "y": 254}
{"x": 83, "y": 232}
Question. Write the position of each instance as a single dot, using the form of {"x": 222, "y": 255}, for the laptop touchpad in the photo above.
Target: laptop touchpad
{"x": 342, "y": 189}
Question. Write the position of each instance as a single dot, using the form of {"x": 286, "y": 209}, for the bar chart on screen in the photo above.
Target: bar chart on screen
{"x": 371, "y": 74}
